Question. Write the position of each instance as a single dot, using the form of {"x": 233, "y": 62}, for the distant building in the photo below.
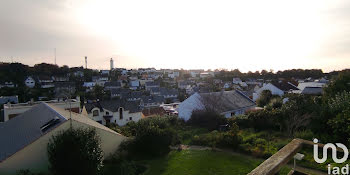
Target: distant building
{"x": 151, "y": 84}
{"x": 112, "y": 85}
{"x": 119, "y": 112}
{"x": 226, "y": 103}
{"x": 8, "y": 84}
{"x": 152, "y": 101}
{"x": 105, "y": 72}
{"x": 134, "y": 84}
{"x": 236, "y": 81}
{"x": 24, "y": 139}
{"x": 29, "y": 82}
{"x": 279, "y": 89}
{"x": 8, "y": 99}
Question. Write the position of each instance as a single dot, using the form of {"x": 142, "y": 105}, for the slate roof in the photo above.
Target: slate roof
{"x": 152, "y": 99}
{"x": 312, "y": 90}
{"x": 120, "y": 91}
{"x": 135, "y": 94}
{"x": 225, "y": 101}
{"x": 285, "y": 86}
{"x": 113, "y": 84}
{"x": 165, "y": 91}
{"x": 114, "y": 105}
{"x": 22, "y": 130}
{"x": 6, "y": 99}
{"x": 152, "y": 83}
{"x": 64, "y": 84}
{"x": 155, "y": 89}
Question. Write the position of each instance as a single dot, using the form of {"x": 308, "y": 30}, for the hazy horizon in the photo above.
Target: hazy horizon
{"x": 247, "y": 35}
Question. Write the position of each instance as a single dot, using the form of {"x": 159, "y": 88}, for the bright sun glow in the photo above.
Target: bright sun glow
{"x": 250, "y": 35}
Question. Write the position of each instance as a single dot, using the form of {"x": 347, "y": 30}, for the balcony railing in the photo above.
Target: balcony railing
{"x": 273, "y": 164}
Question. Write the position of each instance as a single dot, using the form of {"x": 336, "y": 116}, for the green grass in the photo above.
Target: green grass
{"x": 195, "y": 162}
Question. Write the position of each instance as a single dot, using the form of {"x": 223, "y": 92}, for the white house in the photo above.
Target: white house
{"x": 276, "y": 89}
{"x": 89, "y": 85}
{"x": 24, "y": 139}
{"x": 236, "y": 80}
{"x": 227, "y": 103}
{"x": 7, "y": 84}
{"x": 113, "y": 111}
{"x": 29, "y": 82}
{"x": 134, "y": 84}
{"x": 205, "y": 75}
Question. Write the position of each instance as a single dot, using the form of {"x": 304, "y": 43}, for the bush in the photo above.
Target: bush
{"x": 275, "y": 103}
{"x": 264, "y": 98}
{"x": 152, "y": 137}
{"x": 305, "y": 134}
{"x": 228, "y": 139}
{"x": 75, "y": 151}
{"x": 206, "y": 119}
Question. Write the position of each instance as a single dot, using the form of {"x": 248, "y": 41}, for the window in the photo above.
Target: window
{"x": 95, "y": 113}
{"x": 232, "y": 114}
{"x": 49, "y": 124}
{"x": 120, "y": 113}
{"x": 130, "y": 118}
{"x": 107, "y": 113}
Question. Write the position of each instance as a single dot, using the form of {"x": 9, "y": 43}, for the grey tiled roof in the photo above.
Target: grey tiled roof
{"x": 284, "y": 86}
{"x": 22, "y": 130}
{"x": 152, "y": 99}
{"x": 152, "y": 83}
{"x": 165, "y": 91}
{"x": 227, "y": 100}
{"x": 113, "y": 84}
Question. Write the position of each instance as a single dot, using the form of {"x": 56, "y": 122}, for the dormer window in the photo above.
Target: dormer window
{"x": 95, "y": 113}
{"x": 120, "y": 113}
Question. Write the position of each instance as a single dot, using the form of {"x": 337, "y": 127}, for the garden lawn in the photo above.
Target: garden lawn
{"x": 196, "y": 162}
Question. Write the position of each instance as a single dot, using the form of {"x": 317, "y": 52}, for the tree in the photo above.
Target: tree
{"x": 75, "y": 151}
{"x": 339, "y": 109}
{"x": 264, "y": 99}
{"x": 339, "y": 84}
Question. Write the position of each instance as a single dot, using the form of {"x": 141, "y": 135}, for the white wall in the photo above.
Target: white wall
{"x": 34, "y": 156}
{"x": 189, "y": 105}
{"x": 136, "y": 116}
{"x": 274, "y": 91}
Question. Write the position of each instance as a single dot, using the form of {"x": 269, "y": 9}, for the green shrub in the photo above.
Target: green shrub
{"x": 151, "y": 137}
{"x": 206, "y": 119}
{"x": 75, "y": 151}
{"x": 229, "y": 139}
{"x": 305, "y": 134}
{"x": 264, "y": 98}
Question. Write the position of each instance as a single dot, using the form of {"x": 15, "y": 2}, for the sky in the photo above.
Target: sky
{"x": 190, "y": 34}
